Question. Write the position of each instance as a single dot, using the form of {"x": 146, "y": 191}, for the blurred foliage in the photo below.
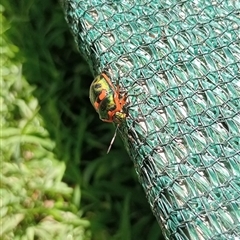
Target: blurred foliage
{"x": 51, "y": 118}
{"x": 35, "y": 203}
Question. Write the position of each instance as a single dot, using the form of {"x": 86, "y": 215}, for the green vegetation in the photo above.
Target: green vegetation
{"x": 57, "y": 182}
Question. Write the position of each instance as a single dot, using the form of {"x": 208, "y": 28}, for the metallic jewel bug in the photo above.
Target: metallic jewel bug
{"x": 107, "y": 101}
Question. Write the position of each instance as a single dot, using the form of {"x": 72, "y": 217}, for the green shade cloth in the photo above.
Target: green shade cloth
{"x": 179, "y": 63}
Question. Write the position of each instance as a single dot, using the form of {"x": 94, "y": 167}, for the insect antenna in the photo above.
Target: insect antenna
{"x": 114, "y": 136}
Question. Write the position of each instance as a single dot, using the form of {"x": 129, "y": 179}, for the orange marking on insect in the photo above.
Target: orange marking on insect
{"x": 102, "y": 95}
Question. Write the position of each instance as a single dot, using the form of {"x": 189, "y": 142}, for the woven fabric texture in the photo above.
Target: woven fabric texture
{"x": 179, "y": 63}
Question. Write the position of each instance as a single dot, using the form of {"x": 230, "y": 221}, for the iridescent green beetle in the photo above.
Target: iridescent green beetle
{"x": 106, "y": 99}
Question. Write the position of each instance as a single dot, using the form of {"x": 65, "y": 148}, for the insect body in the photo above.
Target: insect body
{"x": 106, "y": 99}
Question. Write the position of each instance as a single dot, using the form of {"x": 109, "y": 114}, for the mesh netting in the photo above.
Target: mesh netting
{"x": 179, "y": 63}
